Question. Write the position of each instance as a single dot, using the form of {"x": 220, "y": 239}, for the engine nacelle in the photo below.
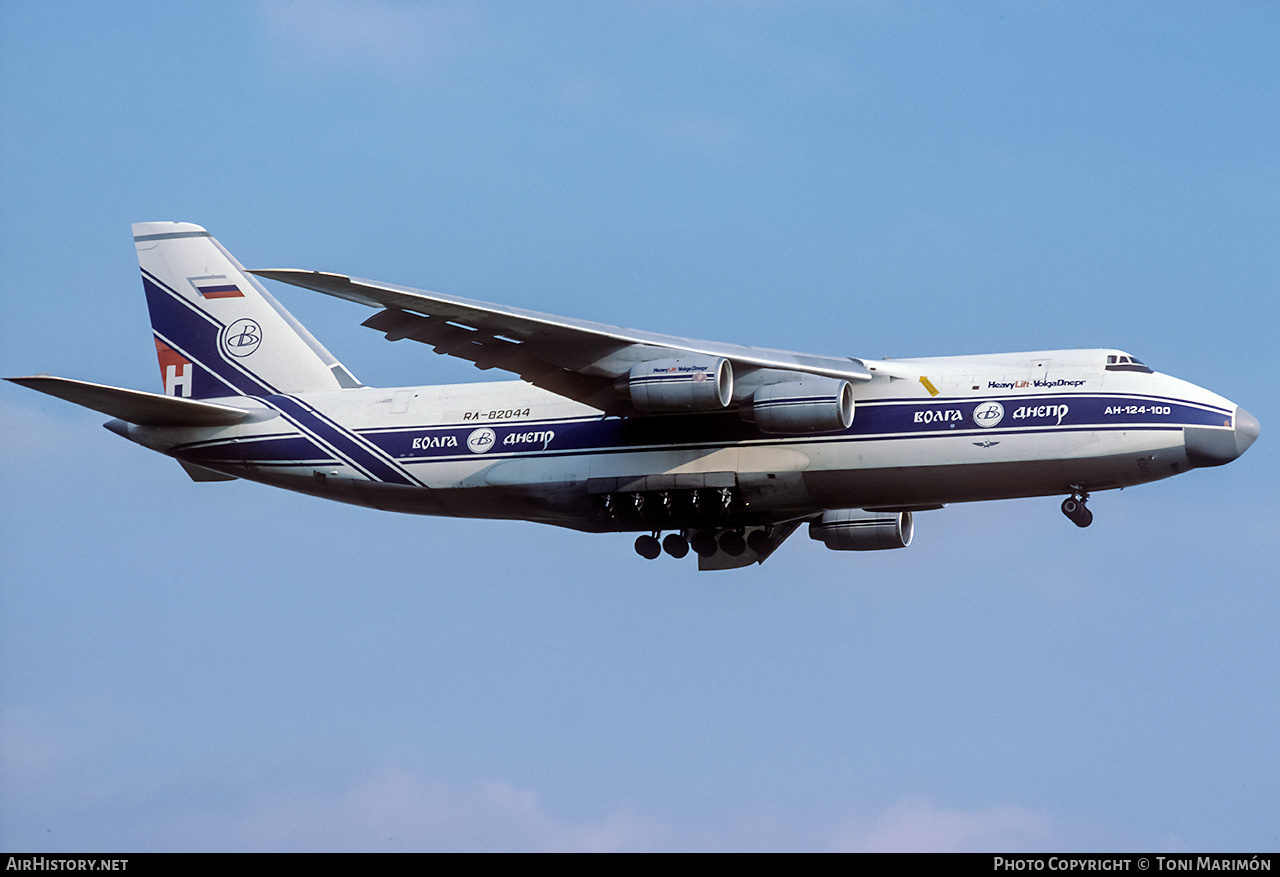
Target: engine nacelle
{"x": 804, "y": 406}
{"x": 695, "y": 383}
{"x": 855, "y": 530}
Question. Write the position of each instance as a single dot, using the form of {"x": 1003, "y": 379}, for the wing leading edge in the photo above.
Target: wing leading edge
{"x": 578, "y": 359}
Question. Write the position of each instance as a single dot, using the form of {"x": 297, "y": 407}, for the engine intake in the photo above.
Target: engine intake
{"x": 854, "y": 530}
{"x": 805, "y": 406}
{"x": 704, "y": 383}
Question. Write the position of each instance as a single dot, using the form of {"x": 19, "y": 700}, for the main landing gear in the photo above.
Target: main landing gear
{"x": 703, "y": 542}
{"x": 674, "y": 544}
{"x": 648, "y": 547}
{"x": 1075, "y": 509}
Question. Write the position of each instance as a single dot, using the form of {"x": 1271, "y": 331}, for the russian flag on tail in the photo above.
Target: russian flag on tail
{"x": 216, "y": 287}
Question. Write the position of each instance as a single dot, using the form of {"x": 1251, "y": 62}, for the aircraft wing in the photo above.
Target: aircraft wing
{"x": 579, "y": 359}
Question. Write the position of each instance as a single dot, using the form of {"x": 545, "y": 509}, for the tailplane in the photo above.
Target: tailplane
{"x": 218, "y": 332}
{"x": 144, "y": 409}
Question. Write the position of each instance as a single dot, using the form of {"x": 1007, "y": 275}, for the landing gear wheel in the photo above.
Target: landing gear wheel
{"x": 1076, "y": 511}
{"x": 704, "y": 544}
{"x": 675, "y": 545}
{"x": 648, "y": 547}
{"x": 732, "y": 543}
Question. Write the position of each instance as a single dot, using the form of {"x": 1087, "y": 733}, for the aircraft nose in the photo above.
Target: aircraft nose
{"x": 1216, "y": 447}
{"x": 1247, "y": 429}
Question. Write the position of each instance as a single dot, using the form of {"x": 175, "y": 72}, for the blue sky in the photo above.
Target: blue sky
{"x": 222, "y": 666}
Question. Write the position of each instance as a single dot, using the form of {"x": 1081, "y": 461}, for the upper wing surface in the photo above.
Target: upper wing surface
{"x": 578, "y": 359}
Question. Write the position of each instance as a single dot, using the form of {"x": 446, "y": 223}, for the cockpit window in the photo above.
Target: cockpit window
{"x": 1122, "y": 362}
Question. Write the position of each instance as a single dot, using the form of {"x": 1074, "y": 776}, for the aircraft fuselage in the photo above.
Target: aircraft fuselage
{"x": 925, "y": 432}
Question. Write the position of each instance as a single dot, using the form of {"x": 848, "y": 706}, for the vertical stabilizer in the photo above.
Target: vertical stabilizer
{"x": 217, "y": 331}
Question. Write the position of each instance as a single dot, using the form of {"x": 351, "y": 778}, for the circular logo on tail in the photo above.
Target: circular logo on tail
{"x": 242, "y": 337}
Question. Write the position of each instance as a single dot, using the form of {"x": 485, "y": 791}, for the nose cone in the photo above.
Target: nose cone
{"x": 1214, "y": 447}
{"x": 1247, "y": 429}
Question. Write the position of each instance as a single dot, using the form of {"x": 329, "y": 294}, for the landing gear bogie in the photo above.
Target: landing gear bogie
{"x": 703, "y": 543}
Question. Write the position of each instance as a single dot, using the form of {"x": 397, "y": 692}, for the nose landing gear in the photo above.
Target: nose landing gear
{"x": 1075, "y": 509}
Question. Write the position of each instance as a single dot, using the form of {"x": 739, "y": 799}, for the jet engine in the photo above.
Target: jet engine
{"x": 804, "y": 406}
{"x": 855, "y": 530}
{"x": 703, "y": 383}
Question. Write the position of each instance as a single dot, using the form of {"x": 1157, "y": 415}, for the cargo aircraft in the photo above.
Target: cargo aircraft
{"x": 726, "y": 449}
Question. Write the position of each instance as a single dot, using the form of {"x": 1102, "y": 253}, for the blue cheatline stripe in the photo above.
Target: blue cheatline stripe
{"x": 383, "y": 452}
{"x": 205, "y": 377}
{"x": 196, "y": 334}
{"x": 883, "y": 422}
{"x": 359, "y": 440}
{"x": 1029, "y": 397}
{"x": 460, "y": 453}
{"x": 369, "y": 446}
{"x": 359, "y": 453}
{"x": 173, "y": 317}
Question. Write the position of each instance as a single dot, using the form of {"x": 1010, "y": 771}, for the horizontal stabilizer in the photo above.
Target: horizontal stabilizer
{"x": 144, "y": 409}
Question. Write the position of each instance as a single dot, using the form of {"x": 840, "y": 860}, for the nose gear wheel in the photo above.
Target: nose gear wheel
{"x": 1075, "y": 509}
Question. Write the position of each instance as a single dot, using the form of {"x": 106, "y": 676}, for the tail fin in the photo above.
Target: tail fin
{"x": 217, "y": 331}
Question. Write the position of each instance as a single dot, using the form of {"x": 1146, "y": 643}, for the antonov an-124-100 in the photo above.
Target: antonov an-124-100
{"x": 725, "y": 449}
